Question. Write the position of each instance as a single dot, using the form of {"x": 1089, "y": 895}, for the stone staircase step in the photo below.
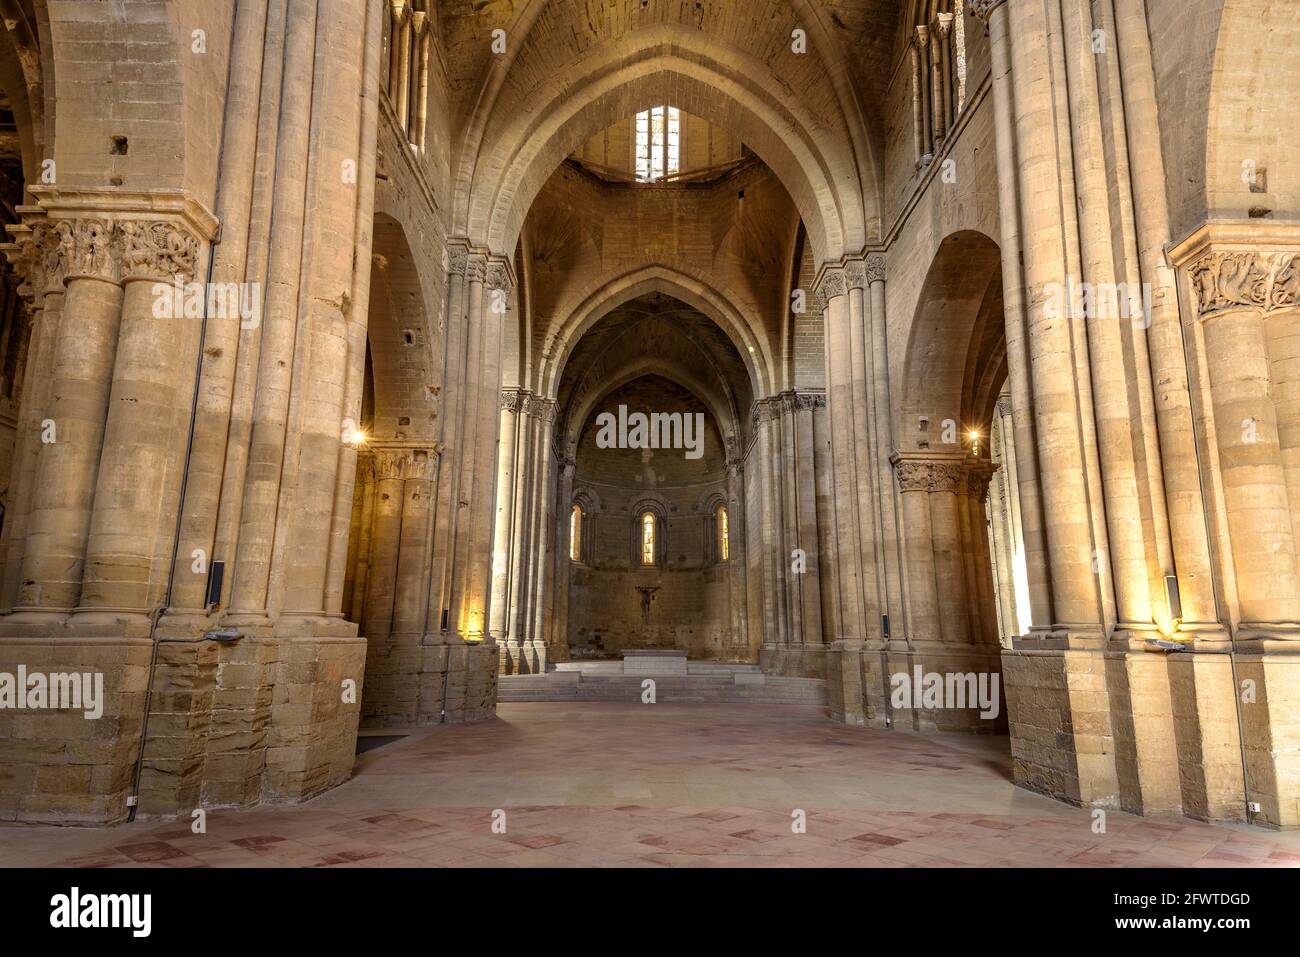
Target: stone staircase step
{"x": 752, "y": 687}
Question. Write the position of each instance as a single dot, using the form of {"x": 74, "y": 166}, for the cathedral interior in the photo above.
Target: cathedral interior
{"x": 416, "y": 408}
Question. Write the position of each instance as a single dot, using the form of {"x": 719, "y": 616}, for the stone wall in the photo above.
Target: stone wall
{"x": 692, "y": 607}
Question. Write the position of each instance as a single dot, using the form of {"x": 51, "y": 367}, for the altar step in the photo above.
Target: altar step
{"x": 706, "y": 686}
{"x": 604, "y": 667}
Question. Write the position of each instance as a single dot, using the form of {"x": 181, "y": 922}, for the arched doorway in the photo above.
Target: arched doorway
{"x": 963, "y": 549}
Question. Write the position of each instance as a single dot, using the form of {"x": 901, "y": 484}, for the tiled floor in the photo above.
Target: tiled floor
{"x": 664, "y": 785}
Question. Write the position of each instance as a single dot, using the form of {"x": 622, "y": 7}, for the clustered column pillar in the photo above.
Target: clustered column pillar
{"x": 396, "y": 575}
{"x": 148, "y": 409}
{"x": 949, "y": 576}
{"x": 511, "y": 508}
{"x": 35, "y": 255}
{"x": 922, "y": 62}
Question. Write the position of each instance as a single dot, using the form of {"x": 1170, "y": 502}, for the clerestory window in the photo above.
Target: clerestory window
{"x": 658, "y": 143}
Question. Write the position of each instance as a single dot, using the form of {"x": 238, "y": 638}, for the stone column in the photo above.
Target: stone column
{"x": 385, "y": 542}
{"x": 1129, "y": 556}
{"x": 379, "y": 696}
{"x": 399, "y": 11}
{"x": 361, "y": 538}
{"x": 499, "y": 282}
{"x": 424, "y": 40}
{"x": 943, "y": 76}
{"x": 776, "y": 630}
{"x": 1169, "y": 372}
{"x": 852, "y": 623}
{"x": 566, "y": 467}
{"x": 893, "y": 601}
{"x": 450, "y": 417}
{"x": 946, "y": 474}
{"x": 249, "y": 589}
{"x": 918, "y": 109}
{"x": 927, "y": 99}
{"x": 1234, "y": 293}
{"x": 1008, "y": 541}
{"x": 914, "y": 479}
{"x": 147, "y": 421}
{"x": 868, "y": 494}
{"x": 357, "y": 315}
{"x": 784, "y": 469}
{"x": 36, "y": 255}
{"x": 411, "y": 591}
{"x": 984, "y": 624}
{"x": 522, "y": 571}
{"x": 458, "y": 574}
{"x": 402, "y": 101}
{"x": 1064, "y": 434}
{"x": 737, "y": 545}
{"x": 336, "y": 240}
{"x": 511, "y": 464}
{"x": 810, "y": 406}
{"x": 1024, "y": 434}
{"x": 83, "y": 354}
{"x": 1283, "y": 331}
{"x": 255, "y": 274}
{"x": 538, "y": 652}
{"x": 222, "y": 332}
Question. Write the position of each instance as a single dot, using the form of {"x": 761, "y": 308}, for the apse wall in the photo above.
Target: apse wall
{"x": 690, "y": 609}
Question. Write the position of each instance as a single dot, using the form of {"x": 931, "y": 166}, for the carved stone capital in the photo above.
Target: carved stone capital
{"x": 876, "y": 267}
{"x": 767, "y": 410}
{"x": 913, "y": 476}
{"x": 817, "y": 301}
{"x": 457, "y": 259}
{"x": 1223, "y": 281}
{"x": 984, "y": 8}
{"x": 365, "y": 467}
{"x": 91, "y": 248}
{"x": 160, "y": 251}
{"x": 387, "y": 464}
{"x": 36, "y": 259}
{"x": 833, "y": 283}
{"x": 540, "y": 408}
{"x": 54, "y": 248}
{"x": 946, "y": 476}
{"x": 855, "y": 273}
{"x": 512, "y": 400}
{"x": 978, "y": 476}
{"x": 809, "y": 401}
{"x": 923, "y": 37}
{"x": 399, "y": 464}
{"x": 944, "y": 22}
{"x": 497, "y": 276}
{"x": 475, "y": 267}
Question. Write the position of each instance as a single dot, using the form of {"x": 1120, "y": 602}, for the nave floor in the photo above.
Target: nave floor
{"x": 592, "y": 784}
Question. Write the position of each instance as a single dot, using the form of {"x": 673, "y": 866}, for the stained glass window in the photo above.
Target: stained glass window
{"x": 575, "y": 534}
{"x": 648, "y": 538}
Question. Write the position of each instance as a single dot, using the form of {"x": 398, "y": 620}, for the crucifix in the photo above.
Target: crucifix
{"x": 647, "y": 599}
